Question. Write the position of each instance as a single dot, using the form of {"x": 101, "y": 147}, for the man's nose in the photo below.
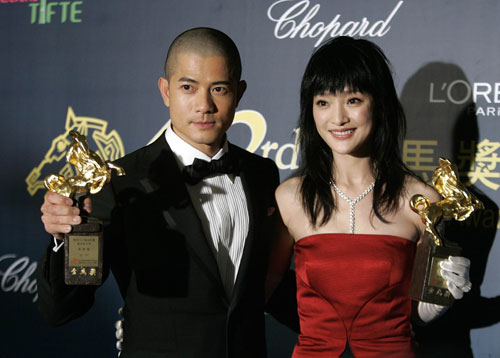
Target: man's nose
{"x": 204, "y": 102}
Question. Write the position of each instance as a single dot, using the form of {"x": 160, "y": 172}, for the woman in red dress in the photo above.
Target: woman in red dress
{"x": 346, "y": 214}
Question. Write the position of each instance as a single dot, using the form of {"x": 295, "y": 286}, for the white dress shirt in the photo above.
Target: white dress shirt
{"x": 221, "y": 205}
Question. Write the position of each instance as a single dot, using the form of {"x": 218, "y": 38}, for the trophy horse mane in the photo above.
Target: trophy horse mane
{"x": 457, "y": 203}
{"x": 92, "y": 172}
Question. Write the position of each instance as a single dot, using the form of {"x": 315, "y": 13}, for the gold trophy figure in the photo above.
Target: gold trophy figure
{"x": 83, "y": 246}
{"x": 458, "y": 203}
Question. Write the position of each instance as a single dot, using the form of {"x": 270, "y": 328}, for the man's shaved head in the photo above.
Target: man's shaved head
{"x": 204, "y": 41}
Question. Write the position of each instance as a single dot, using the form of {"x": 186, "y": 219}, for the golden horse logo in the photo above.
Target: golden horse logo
{"x": 109, "y": 147}
{"x": 458, "y": 203}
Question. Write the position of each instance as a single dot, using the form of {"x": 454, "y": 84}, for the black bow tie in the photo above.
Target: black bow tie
{"x": 200, "y": 168}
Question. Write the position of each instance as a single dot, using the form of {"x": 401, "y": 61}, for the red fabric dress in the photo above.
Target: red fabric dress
{"x": 354, "y": 288}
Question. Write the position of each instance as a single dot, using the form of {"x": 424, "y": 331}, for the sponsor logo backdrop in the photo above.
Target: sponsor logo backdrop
{"x": 93, "y": 66}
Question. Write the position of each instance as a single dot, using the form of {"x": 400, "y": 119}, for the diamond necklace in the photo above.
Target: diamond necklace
{"x": 351, "y": 202}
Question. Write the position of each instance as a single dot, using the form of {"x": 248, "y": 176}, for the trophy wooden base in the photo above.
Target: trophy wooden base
{"x": 427, "y": 284}
{"x": 83, "y": 253}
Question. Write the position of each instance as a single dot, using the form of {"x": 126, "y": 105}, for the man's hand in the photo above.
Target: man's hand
{"x": 58, "y": 214}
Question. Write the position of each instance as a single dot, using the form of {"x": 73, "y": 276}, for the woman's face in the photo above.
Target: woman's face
{"x": 344, "y": 121}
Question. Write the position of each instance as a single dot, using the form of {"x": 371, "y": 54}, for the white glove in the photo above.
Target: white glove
{"x": 119, "y": 331}
{"x": 455, "y": 271}
{"x": 430, "y": 311}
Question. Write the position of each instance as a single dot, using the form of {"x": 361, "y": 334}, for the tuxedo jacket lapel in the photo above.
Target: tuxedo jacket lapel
{"x": 165, "y": 178}
{"x": 250, "y": 181}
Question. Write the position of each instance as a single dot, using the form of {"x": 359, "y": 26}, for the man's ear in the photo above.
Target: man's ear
{"x": 164, "y": 90}
{"x": 241, "y": 88}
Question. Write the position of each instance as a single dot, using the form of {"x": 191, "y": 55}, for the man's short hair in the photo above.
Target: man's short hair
{"x": 205, "y": 42}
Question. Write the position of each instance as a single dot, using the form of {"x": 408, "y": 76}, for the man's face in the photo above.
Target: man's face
{"x": 202, "y": 97}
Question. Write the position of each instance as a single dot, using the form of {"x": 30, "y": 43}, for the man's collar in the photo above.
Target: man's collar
{"x": 185, "y": 153}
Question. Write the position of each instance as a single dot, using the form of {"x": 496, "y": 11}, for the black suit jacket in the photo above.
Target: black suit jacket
{"x": 154, "y": 244}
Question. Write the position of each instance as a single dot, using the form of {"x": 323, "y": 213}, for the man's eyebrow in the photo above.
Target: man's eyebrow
{"x": 190, "y": 80}
{"x": 221, "y": 83}
{"x": 187, "y": 79}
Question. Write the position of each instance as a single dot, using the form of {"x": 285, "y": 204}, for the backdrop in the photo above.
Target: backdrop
{"x": 93, "y": 66}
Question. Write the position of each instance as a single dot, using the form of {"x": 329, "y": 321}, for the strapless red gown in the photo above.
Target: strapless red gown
{"x": 354, "y": 288}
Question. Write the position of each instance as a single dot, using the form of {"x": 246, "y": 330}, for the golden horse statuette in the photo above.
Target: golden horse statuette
{"x": 92, "y": 171}
{"x": 83, "y": 246}
{"x": 458, "y": 203}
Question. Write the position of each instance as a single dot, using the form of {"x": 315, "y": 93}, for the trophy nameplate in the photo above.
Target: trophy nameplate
{"x": 83, "y": 246}
{"x": 427, "y": 284}
{"x": 83, "y": 253}
{"x": 458, "y": 203}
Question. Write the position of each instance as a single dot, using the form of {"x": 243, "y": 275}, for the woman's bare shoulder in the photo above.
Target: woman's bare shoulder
{"x": 288, "y": 199}
{"x": 289, "y": 190}
{"x": 414, "y": 186}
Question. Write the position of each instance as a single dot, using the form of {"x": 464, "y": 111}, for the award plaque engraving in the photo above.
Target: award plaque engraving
{"x": 84, "y": 244}
{"x": 458, "y": 203}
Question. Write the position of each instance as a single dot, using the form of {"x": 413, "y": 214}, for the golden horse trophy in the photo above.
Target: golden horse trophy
{"x": 458, "y": 203}
{"x": 83, "y": 246}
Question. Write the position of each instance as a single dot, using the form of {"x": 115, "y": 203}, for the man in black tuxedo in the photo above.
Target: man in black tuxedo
{"x": 187, "y": 241}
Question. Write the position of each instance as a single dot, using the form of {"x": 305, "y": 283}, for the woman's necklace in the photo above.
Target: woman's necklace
{"x": 352, "y": 202}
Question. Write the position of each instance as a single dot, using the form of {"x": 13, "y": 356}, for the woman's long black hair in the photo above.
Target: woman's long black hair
{"x": 358, "y": 65}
